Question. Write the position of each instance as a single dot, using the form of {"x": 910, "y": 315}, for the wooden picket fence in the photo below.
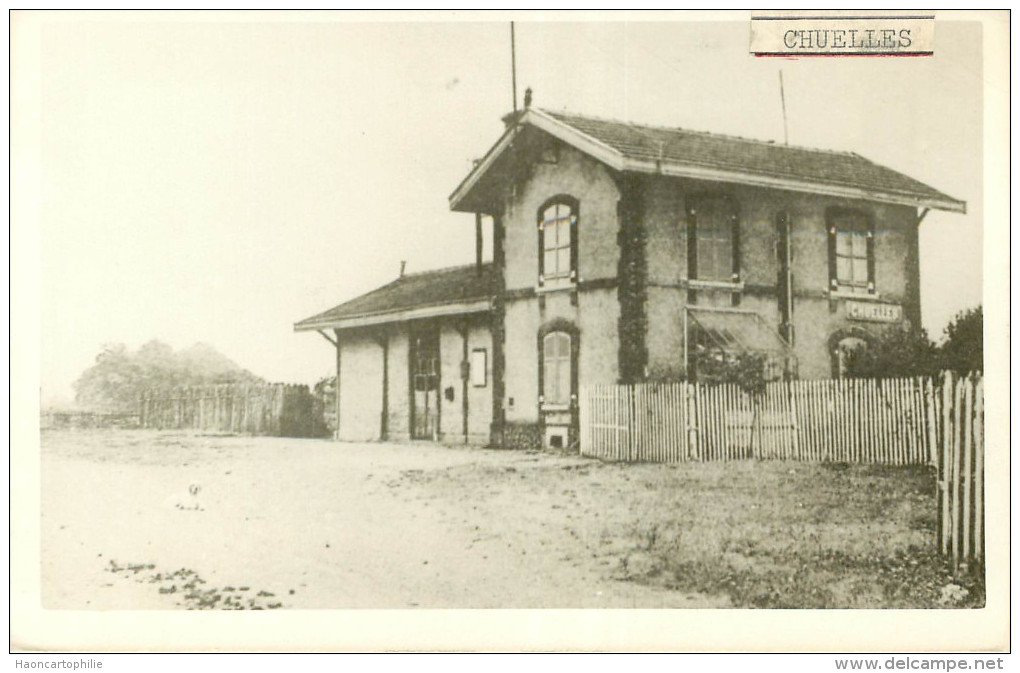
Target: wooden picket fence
{"x": 261, "y": 409}
{"x": 855, "y": 421}
{"x": 961, "y": 468}
{"x": 913, "y": 421}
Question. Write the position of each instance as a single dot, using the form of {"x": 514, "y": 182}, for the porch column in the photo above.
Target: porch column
{"x": 383, "y": 339}
{"x": 463, "y": 329}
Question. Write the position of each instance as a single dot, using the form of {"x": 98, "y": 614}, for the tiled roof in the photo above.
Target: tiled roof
{"x": 730, "y": 153}
{"x": 670, "y": 151}
{"x": 453, "y": 285}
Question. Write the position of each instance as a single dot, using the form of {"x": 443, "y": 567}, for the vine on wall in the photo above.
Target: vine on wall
{"x": 633, "y": 284}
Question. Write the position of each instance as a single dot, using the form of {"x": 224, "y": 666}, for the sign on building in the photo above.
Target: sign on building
{"x": 872, "y": 312}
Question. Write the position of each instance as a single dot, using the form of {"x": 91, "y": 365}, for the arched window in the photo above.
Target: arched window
{"x": 557, "y": 371}
{"x": 557, "y": 241}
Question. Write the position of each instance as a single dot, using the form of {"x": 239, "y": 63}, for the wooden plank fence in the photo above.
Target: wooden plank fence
{"x": 914, "y": 421}
{"x": 269, "y": 409}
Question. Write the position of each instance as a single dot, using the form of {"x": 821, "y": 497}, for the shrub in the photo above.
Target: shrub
{"x": 895, "y": 353}
{"x": 962, "y": 349}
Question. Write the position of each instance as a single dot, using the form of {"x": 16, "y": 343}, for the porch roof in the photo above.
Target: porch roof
{"x": 451, "y": 291}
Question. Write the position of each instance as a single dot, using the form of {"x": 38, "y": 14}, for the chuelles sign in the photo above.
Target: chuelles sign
{"x": 842, "y": 34}
{"x": 872, "y": 312}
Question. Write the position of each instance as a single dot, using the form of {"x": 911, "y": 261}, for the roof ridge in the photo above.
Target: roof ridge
{"x": 711, "y": 134}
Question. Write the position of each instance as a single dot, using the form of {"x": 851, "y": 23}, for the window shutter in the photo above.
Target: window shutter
{"x": 541, "y": 368}
{"x": 833, "y": 283}
{"x": 871, "y": 260}
{"x": 735, "y": 224}
{"x": 692, "y": 243}
{"x": 575, "y": 352}
{"x": 573, "y": 246}
{"x": 541, "y": 251}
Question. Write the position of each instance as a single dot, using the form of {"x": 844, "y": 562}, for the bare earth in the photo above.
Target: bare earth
{"x": 289, "y": 523}
{"x": 318, "y": 525}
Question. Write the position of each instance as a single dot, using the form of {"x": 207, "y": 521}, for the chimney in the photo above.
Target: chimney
{"x": 403, "y": 265}
{"x": 512, "y": 118}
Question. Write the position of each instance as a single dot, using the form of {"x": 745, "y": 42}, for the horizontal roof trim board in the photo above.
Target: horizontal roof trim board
{"x": 719, "y": 158}
{"x": 397, "y": 316}
{"x": 450, "y": 291}
{"x": 841, "y": 191}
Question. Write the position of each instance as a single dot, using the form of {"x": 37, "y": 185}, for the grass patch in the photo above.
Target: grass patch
{"x": 912, "y": 578}
{"x": 788, "y": 535}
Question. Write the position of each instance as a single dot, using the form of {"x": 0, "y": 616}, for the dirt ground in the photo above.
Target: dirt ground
{"x": 288, "y": 523}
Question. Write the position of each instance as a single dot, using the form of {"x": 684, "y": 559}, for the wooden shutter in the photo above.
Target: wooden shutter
{"x": 573, "y": 243}
{"x": 833, "y": 282}
{"x": 541, "y": 368}
{"x": 871, "y": 259}
{"x": 692, "y": 242}
{"x": 735, "y": 240}
{"x": 575, "y": 353}
{"x": 541, "y": 250}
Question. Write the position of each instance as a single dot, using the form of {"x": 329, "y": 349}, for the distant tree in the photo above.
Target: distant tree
{"x": 962, "y": 348}
{"x": 111, "y": 384}
{"x": 896, "y": 353}
{"x": 118, "y": 378}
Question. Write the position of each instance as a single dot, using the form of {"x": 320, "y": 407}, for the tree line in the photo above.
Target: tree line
{"x": 116, "y": 381}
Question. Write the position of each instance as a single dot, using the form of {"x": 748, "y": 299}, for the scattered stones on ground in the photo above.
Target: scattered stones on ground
{"x": 185, "y": 583}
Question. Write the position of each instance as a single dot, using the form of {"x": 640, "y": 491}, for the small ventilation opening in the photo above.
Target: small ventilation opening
{"x": 555, "y": 437}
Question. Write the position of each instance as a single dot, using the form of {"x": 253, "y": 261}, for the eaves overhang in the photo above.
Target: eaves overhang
{"x": 615, "y": 160}
{"x": 401, "y": 315}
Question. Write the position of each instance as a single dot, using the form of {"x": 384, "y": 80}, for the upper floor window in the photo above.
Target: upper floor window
{"x": 713, "y": 239}
{"x": 851, "y": 252}
{"x": 557, "y": 241}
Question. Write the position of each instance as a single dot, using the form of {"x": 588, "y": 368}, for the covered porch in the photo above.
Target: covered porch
{"x": 413, "y": 358}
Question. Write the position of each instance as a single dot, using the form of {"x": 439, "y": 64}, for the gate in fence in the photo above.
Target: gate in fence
{"x": 915, "y": 421}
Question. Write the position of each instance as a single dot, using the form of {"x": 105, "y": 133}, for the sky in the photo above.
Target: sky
{"x": 218, "y": 180}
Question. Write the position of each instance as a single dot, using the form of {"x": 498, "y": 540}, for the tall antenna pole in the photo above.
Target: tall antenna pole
{"x": 782, "y": 97}
{"x": 513, "y": 67}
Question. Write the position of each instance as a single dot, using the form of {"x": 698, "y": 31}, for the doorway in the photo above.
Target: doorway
{"x": 425, "y": 381}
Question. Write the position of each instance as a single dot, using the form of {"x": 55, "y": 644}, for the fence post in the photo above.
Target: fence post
{"x": 979, "y": 470}
{"x": 690, "y": 396}
{"x": 957, "y": 454}
{"x": 968, "y": 427}
{"x": 944, "y": 472}
{"x": 929, "y": 404}
{"x": 791, "y": 394}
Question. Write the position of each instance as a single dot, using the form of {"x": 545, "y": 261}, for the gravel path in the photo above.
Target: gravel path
{"x": 285, "y": 523}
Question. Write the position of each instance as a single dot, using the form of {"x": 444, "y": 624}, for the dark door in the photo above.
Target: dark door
{"x": 425, "y": 385}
